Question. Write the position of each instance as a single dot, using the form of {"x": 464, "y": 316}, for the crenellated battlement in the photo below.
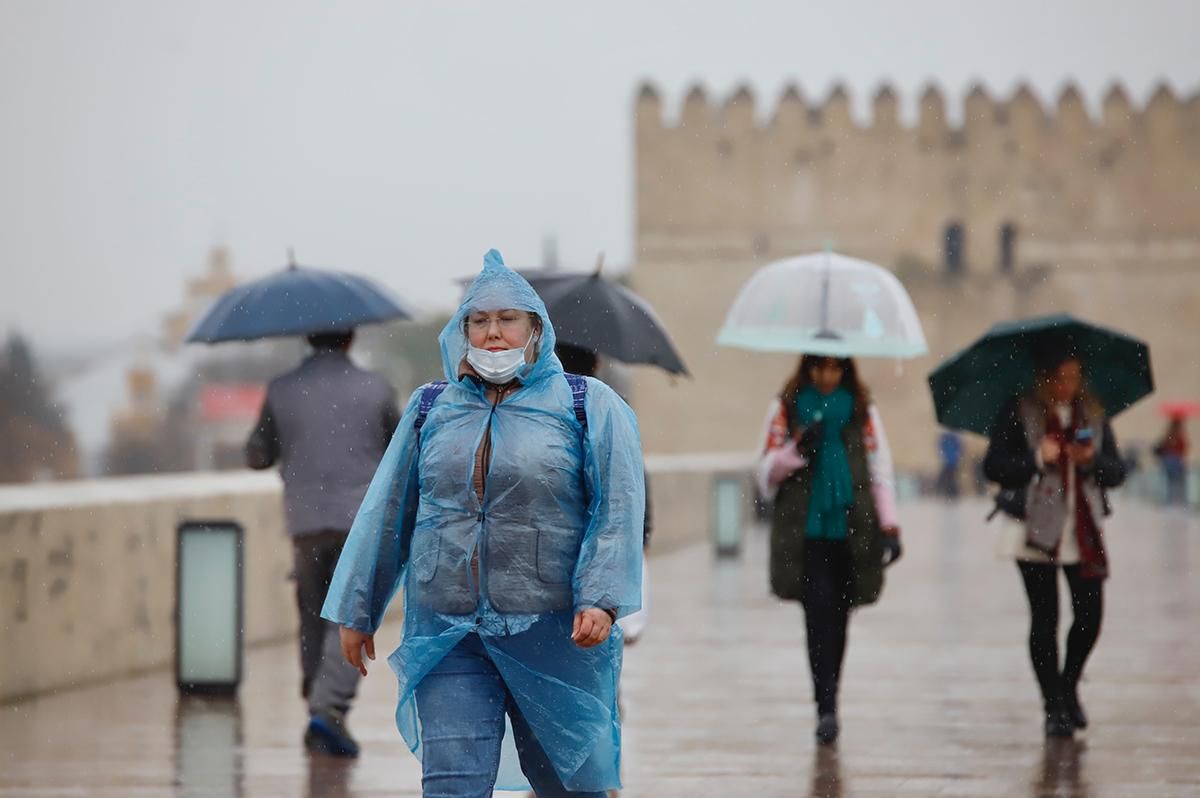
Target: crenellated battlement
{"x": 987, "y": 205}
{"x": 819, "y": 170}
{"x": 980, "y": 109}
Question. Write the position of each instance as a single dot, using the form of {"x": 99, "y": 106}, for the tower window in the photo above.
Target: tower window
{"x": 953, "y": 246}
{"x": 1008, "y": 247}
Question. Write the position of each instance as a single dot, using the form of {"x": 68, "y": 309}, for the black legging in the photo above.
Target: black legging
{"x": 1087, "y": 606}
{"x": 826, "y": 599}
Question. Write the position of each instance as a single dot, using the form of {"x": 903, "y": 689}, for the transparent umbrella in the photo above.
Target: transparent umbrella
{"x": 824, "y": 304}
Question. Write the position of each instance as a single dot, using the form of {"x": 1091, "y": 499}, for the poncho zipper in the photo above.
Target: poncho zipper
{"x": 478, "y": 571}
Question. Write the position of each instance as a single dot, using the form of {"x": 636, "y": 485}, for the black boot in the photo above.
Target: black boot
{"x": 1073, "y": 708}
{"x": 827, "y": 728}
{"x": 1058, "y": 721}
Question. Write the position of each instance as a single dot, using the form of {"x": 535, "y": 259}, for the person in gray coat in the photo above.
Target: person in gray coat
{"x": 327, "y": 424}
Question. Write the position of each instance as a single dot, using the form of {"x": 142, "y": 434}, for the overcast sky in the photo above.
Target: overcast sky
{"x": 403, "y": 139}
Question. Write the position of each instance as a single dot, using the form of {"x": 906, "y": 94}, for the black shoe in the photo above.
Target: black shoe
{"x": 1074, "y": 709}
{"x": 1059, "y": 724}
{"x": 827, "y": 728}
{"x": 327, "y": 734}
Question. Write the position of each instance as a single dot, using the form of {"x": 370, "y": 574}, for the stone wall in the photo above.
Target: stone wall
{"x": 1102, "y": 214}
{"x": 87, "y": 572}
{"x": 87, "y": 569}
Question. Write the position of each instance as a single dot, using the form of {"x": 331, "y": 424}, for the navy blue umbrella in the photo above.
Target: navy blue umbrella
{"x": 296, "y": 301}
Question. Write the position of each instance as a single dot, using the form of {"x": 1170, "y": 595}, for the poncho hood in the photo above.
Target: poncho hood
{"x": 499, "y": 288}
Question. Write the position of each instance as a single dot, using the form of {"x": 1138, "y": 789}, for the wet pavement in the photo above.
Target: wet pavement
{"x": 938, "y": 697}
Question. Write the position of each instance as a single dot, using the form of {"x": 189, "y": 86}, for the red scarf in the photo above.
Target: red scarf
{"x": 1092, "y": 557}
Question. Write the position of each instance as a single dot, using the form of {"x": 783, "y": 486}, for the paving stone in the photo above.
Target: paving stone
{"x": 938, "y": 698}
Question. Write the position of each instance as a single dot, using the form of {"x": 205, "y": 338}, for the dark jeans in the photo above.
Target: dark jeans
{"x": 947, "y": 482}
{"x": 328, "y": 681}
{"x": 1175, "y": 471}
{"x": 1087, "y": 606}
{"x": 826, "y": 599}
{"x": 462, "y": 703}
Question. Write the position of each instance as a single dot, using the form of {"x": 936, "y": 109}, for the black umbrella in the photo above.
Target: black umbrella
{"x": 592, "y": 312}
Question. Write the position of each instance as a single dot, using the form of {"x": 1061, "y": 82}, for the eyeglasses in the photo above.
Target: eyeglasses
{"x": 508, "y": 321}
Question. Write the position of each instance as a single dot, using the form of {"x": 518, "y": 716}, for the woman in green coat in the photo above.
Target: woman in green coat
{"x": 826, "y": 462}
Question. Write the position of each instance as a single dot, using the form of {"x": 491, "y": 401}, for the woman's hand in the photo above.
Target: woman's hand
{"x": 352, "y": 647}
{"x": 1050, "y": 451}
{"x": 783, "y": 462}
{"x": 892, "y": 550}
{"x": 592, "y": 627}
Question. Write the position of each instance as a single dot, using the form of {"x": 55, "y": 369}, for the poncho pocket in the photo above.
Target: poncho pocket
{"x": 557, "y": 551}
{"x": 514, "y": 579}
{"x": 423, "y": 560}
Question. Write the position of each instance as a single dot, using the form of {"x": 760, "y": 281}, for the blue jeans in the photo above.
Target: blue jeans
{"x": 462, "y": 703}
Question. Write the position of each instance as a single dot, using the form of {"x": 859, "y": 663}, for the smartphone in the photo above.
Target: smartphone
{"x": 1083, "y": 435}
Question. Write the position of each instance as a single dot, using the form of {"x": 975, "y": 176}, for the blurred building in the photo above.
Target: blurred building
{"x": 127, "y": 395}
{"x": 198, "y": 295}
{"x": 1019, "y": 210}
{"x": 136, "y": 429}
{"x": 225, "y": 413}
{"x": 153, "y": 404}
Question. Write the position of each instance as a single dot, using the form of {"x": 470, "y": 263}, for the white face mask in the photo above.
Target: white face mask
{"x": 497, "y": 367}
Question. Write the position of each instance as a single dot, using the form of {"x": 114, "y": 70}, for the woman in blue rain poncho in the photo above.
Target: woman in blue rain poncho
{"x": 509, "y": 506}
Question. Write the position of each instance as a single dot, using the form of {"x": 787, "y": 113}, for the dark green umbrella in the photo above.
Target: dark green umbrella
{"x": 970, "y": 387}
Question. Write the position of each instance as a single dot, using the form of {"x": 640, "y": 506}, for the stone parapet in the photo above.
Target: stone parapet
{"x": 87, "y": 572}
{"x": 87, "y": 568}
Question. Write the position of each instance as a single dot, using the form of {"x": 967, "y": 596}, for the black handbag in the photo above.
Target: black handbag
{"x": 1011, "y": 502}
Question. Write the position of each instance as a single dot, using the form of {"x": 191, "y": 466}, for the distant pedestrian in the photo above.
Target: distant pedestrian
{"x": 826, "y": 462}
{"x": 979, "y": 480}
{"x": 1172, "y": 452}
{"x": 327, "y": 424}
{"x": 1054, "y": 456}
{"x": 950, "y": 449}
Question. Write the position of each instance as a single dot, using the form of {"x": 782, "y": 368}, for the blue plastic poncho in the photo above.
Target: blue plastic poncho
{"x": 559, "y": 529}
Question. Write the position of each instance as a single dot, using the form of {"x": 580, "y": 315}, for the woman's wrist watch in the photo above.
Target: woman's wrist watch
{"x": 612, "y": 614}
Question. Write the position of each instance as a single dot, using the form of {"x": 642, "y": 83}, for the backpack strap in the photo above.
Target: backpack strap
{"x": 578, "y": 385}
{"x": 429, "y": 395}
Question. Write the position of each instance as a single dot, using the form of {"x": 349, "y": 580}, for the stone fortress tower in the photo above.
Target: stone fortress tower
{"x": 1021, "y": 210}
